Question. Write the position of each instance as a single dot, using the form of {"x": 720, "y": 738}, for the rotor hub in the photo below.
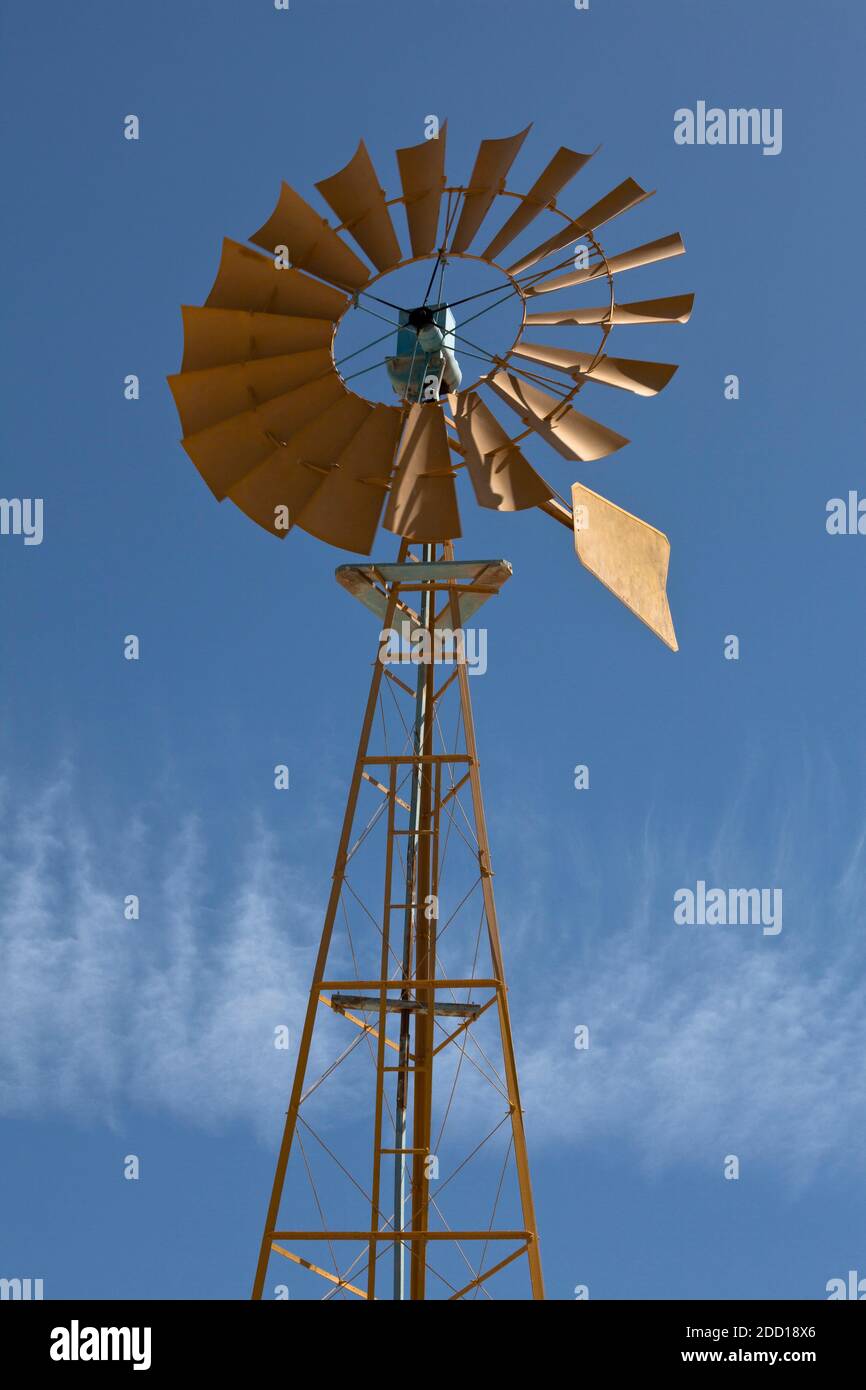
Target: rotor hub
{"x": 421, "y": 317}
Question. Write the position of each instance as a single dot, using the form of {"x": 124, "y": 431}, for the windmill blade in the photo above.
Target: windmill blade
{"x": 573, "y": 435}
{"x": 626, "y": 373}
{"x": 676, "y": 308}
{"x": 207, "y": 397}
{"x": 226, "y": 452}
{"x": 423, "y": 501}
{"x": 560, "y": 171}
{"x": 492, "y": 163}
{"x": 291, "y": 474}
{"x": 345, "y": 510}
{"x": 648, "y": 254}
{"x": 248, "y": 280}
{"x": 312, "y": 242}
{"x": 218, "y": 337}
{"x": 359, "y": 202}
{"x": 627, "y": 555}
{"x": 501, "y": 477}
{"x": 626, "y": 195}
{"x": 422, "y": 176}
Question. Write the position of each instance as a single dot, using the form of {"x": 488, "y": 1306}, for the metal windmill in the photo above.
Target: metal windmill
{"x": 271, "y": 422}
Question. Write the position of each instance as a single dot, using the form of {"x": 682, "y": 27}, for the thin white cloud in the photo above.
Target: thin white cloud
{"x": 708, "y": 1041}
{"x": 701, "y": 1048}
{"x": 173, "y": 1012}
{"x": 704, "y": 1041}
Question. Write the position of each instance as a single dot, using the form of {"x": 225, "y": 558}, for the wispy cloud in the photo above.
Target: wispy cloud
{"x": 703, "y": 1041}
{"x": 706, "y": 1041}
{"x": 173, "y": 1012}
{"x": 703, "y": 1048}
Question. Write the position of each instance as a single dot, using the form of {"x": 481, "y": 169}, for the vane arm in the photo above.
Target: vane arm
{"x": 558, "y": 511}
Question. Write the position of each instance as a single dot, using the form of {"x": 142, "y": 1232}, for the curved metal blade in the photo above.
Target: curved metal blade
{"x": 626, "y": 373}
{"x": 627, "y": 555}
{"x": 345, "y": 510}
{"x": 647, "y": 254}
{"x": 248, "y": 280}
{"x": 502, "y": 478}
{"x": 560, "y": 171}
{"x": 676, "y": 308}
{"x": 422, "y": 176}
{"x": 359, "y": 202}
{"x": 210, "y": 396}
{"x": 291, "y": 474}
{"x": 423, "y": 501}
{"x": 626, "y": 195}
{"x": 218, "y": 337}
{"x": 492, "y": 163}
{"x": 573, "y": 435}
{"x": 228, "y": 451}
{"x": 311, "y": 240}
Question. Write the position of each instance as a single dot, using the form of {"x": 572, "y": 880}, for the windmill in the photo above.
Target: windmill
{"x": 271, "y": 421}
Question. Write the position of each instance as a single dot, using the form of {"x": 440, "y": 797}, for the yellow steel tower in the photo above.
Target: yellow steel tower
{"x": 421, "y": 1024}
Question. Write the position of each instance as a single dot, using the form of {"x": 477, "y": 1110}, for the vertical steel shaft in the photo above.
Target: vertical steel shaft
{"x": 409, "y": 933}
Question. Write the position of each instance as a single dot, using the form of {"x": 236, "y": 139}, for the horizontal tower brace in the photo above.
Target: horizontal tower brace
{"x": 410, "y": 984}
{"x": 405, "y": 1234}
{"x": 393, "y": 1006}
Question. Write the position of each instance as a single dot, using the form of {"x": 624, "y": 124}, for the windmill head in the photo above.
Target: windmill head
{"x": 270, "y": 420}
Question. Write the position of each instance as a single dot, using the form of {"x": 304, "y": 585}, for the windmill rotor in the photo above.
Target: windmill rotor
{"x": 272, "y": 418}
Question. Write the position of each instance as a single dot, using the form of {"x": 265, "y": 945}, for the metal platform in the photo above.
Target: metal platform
{"x": 473, "y": 581}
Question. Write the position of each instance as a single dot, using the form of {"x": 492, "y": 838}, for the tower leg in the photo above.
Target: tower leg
{"x": 517, "y": 1128}
{"x": 321, "y": 960}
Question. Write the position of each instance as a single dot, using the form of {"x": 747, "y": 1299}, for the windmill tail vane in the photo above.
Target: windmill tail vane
{"x": 271, "y": 421}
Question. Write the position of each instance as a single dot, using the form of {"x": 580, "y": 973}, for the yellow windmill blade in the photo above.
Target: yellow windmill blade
{"x": 345, "y": 509}
{"x": 643, "y": 378}
{"x": 568, "y": 431}
{"x": 248, "y": 280}
{"x": 423, "y": 501}
{"x": 214, "y": 394}
{"x": 310, "y": 242}
{"x": 220, "y": 337}
{"x": 277, "y": 490}
{"x": 359, "y": 202}
{"x": 626, "y": 195}
{"x": 550, "y": 182}
{"x": 648, "y": 254}
{"x": 675, "y": 308}
{"x": 422, "y": 175}
{"x": 492, "y": 163}
{"x": 502, "y": 478}
{"x": 225, "y": 452}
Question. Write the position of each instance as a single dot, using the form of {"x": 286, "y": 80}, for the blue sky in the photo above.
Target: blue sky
{"x": 155, "y": 777}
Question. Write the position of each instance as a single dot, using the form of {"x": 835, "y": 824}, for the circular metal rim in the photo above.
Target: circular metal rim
{"x": 606, "y": 327}
{"x": 417, "y": 260}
